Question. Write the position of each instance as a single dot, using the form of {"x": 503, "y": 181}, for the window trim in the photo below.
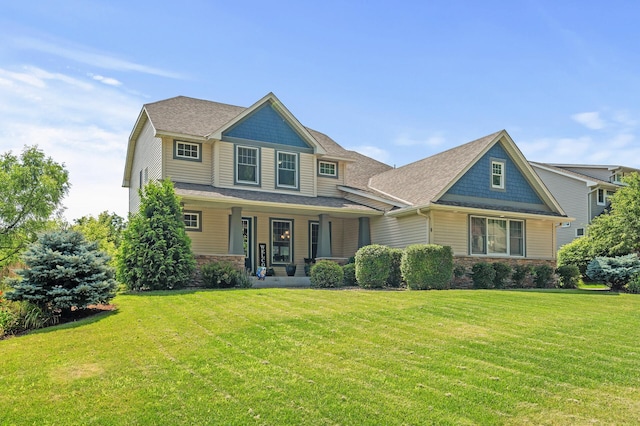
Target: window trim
{"x": 605, "y": 196}
{"x": 198, "y": 216}
{"x": 313, "y": 223}
{"x": 503, "y": 174}
{"x": 236, "y": 179}
{"x": 291, "y": 241}
{"x": 579, "y": 232}
{"x": 177, "y": 156}
{"x": 486, "y": 252}
{"x": 333, "y": 163}
{"x": 296, "y": 171}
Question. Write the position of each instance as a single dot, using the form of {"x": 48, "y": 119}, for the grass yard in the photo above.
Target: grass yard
{"x": 277, "y": 356}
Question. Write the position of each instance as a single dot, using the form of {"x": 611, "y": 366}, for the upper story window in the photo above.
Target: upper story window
{"x": 603, "y": 196}
{"x": 327, "y": 168}
{"x": 497, "y": 174}
{"x": 493, "y": 236}
{"x": 247, "y": 165}
{"x": 192, "y": 221}
{"x": 617, "y": 177}
{"x": 187, "y": 151}
{"x": 287, "y": 170}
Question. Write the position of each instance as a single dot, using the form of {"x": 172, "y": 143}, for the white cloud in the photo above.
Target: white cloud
{"x": 106, "y": 80}
{"x": 82, "y": 123}
{"x": 590, "y": 120}
{"x": 373, "y": 152}
{"x": 83, "y": 55}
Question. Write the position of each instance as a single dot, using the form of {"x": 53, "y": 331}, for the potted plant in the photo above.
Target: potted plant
{"x": 291, "y": 269}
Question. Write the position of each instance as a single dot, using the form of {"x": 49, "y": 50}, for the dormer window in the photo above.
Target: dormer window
{"x": 497, "y": 174}
{"x": 186, "y": 151}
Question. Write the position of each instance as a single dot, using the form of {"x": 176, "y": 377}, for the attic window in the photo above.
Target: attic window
{"x": 326, "y": 168}
{"x": 186, "y": 151}
{"x": 497, "y": 174}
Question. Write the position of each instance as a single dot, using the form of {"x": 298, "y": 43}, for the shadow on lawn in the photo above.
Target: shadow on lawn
{"x": 590, "y": 292}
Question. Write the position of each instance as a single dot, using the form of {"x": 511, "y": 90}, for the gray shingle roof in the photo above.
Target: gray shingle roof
{"x": 231, "y": 195}
{"x": 577, "y": 175}
{"x": 420, "y": 182}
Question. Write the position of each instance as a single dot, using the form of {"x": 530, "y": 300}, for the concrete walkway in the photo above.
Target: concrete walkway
{"x": 281, "y": 282}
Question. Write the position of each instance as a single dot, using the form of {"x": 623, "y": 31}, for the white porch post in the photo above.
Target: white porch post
{"x": 236, "y": 245}
{"x": 364, "y": 232}
{"x": 324, "y": 240}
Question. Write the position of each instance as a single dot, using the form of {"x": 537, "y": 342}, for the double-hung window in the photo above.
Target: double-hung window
{"x": 287, "y": 173}
{"x": 247, "y": 165}
{"x": 497, "y": 174}
{"x": 496, "y": 236}
{"x": 187, "y": 151}
{"x": 603, "y": 197}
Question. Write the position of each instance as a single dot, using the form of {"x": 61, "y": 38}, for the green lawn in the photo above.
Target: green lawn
{"x": 277, "y": 356}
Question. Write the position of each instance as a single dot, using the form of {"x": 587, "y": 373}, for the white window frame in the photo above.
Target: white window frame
{"x": 296, "y": 163}
{"x": 605, "y": 196}
{"x": 237, "y": 164}
{"x": 194, "y": 215}
{"x": 501, "y": 175}
{"x": 328, "y": 163}
{"x": 486, "y": 237}
{"x": 187, "y": 147}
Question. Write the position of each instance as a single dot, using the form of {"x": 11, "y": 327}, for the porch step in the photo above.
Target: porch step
{"x": 281, "y": 282}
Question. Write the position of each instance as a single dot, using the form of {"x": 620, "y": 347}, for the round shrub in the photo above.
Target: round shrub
{"x": 615, "y": 271}
{"x": 634, "y": 285}
{"x": 502, "y": 274}
{"x": 578, "y": 252}
{"x": 373, "y": 264}
{"x": 220, "y": 275}
{"x": 395, "y": 274}
{"x": 427, "y": 266}
{"x": 568, "y": 276}
{"x": 349, "y": 272}
{"x": 483, "y": 275}
{"x": 542, "y": 275}
{"x": 519, "y": 274}
{"x": 326, "y": 274}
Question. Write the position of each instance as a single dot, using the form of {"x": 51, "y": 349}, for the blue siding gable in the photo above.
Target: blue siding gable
{"x": 266, "y": 125}
{"x": 476, "y": 182}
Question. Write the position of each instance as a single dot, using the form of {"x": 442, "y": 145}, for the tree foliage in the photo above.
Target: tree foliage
{"x": 106, "y": 230}
{"x": 31, "y": 191}
{"x": 155, "y": 252}
{"x": 63, "y": 271}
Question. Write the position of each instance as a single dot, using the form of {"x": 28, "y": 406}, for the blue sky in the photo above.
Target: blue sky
{"x": 397, "y": 80}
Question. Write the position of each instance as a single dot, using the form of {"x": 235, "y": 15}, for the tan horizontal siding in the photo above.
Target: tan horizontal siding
{"x": 214, "y": 237}
{"x": 187, "y": 171}
{"x": 328, "y": 187}
{"x": 451, "y": 229}
{"x": 399, "y": 232}
{"x": 540, "y": 239}
{"x": 147, "y": 155}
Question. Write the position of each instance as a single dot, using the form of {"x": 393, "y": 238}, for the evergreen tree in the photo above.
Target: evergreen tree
{"x": 63, "y": 271}
{"x": 155, "y": 252}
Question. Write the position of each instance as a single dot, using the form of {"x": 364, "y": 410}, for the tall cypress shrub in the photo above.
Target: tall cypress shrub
{"x": 155, "y": 253}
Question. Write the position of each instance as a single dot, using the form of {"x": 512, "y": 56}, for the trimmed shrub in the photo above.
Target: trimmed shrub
{"x": 519, "y": 274}
{"x": 503, "y": 271}
{"x": 483, "y": 275}
{"x": 349, "y": 273}
{"x": 373, "y": 265}
{"x": 395, "y": 274}
{"x": 634, "y": 285}
{"x": 568, "y": 276}
{"x": 220, "y": 275}
{"x": 459, "y": 271}
{"x": 427, "y": 266}
{"x": 63, "y": 271}
{"x": 326, "y": 274}
{"x": 542, "y": 275}
{"x": 615, "y": 271}
{"x": 577, "y": 252}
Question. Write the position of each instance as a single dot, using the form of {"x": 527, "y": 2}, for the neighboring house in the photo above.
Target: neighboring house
{"x": 259, "y": 188}
{"x": 582, "y": 190}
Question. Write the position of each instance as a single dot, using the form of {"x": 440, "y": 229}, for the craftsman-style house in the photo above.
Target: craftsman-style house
{"x": 260, "y": 188}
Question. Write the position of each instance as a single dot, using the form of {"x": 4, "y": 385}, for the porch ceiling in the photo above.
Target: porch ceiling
{"x": 268, "y": 202}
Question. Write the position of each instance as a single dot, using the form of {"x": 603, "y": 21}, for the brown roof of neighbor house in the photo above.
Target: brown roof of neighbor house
{"x": 420, "y": 182}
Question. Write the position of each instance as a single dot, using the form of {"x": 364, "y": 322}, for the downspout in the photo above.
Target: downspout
{"x": 426, "y": 217}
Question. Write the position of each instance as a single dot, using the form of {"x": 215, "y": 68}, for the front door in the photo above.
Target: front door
{"x": 247, "y": 242}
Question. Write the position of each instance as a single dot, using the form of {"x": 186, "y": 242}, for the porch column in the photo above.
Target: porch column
{"x": 324, "y": 240}
{"x": 235, "y": 231}
{"x": 364, "y": 232}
